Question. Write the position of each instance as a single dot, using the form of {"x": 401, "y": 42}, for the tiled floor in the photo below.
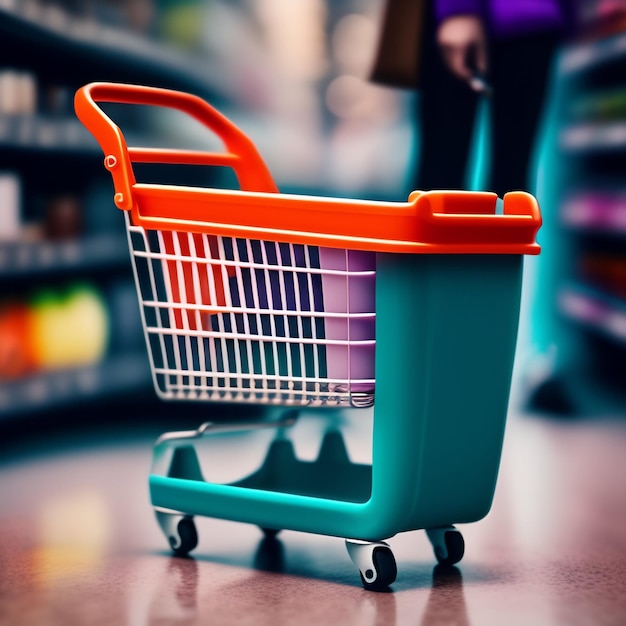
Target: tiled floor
{"x": 79, "y": 545}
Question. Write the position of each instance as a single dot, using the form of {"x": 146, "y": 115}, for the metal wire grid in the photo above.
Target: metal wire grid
{"x": 241, "y": 320}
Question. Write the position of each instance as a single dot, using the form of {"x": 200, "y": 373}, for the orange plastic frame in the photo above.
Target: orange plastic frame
{"x": 450, "y": 222}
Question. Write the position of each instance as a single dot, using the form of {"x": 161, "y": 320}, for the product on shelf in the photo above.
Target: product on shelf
{"x": 56, "y": 224}
{"x": 58, "y": 100}
{"x": 606, "y": 272}
{"x": 16, "y": 354}
{"x": 603, "y": 18}
{"x": 69, "y": 328}
{"x": 10, "y": 206}
{"x": 605, "y": 106}
{"x": 63, "y": 218}
{"x": 596, "y": 209}
{"x": 18, "y": 92}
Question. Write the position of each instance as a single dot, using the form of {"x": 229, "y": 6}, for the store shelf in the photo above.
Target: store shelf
{"x": 584, "y": 57}
{"x": 592, "y": 137}
{"x": 595, "y": 309}
{"x": 68, "y": 136}
{"x": 47, "y": 52}
{"x": 605, "y": 105}
{"x": 26, "y": 258}
{"x": 83, "y": 49}
{"x": 603, "y": 213}
{"x": 589, "y": 263}
{"x": 50, "y": 390}
{"x": 39, "y": 133}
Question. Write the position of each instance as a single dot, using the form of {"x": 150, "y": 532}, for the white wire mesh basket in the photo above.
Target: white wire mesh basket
{"x": 240, "y": 320}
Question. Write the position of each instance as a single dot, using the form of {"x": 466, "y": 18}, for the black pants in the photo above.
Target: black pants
{"x": 447, "y": 109}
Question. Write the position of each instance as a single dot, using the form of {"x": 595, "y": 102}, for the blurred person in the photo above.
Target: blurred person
{"x": 457, "y": 52}
{"x": 503, "y": 50}
{"x": 500, "y": 48}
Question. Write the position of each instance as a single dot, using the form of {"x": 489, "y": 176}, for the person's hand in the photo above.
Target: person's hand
{"x": 463, "y": 43}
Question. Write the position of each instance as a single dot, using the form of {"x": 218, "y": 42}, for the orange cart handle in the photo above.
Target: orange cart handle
{"x": 434, "y": 222}
{"x": 240, "y": 154}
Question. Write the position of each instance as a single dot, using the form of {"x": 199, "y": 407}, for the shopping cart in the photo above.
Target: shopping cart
{"x": 306, "y": 303}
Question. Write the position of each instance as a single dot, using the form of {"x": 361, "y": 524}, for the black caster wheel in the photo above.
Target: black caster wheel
{"x": 384, "y": 572}
{"x": 375, "y": 561}
{"x": 448, "y": 545}
{"x": 186, "y": 538}
{"x": 179, "y": 530}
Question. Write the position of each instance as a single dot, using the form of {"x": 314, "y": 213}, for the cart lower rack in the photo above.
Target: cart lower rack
{"x": 306, "y": 303}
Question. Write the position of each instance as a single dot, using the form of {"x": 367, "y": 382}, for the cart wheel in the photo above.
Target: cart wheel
{"x": 179, "y": 530}
{"x": 447, "y": 543}
{"x": 385, "y": 570}
{"x": 270, "y": 533}
{"x": 375, "y": 561}
{"x": 187, "y": 538}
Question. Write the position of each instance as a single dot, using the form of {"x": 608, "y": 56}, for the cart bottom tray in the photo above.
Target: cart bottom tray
{"x": 331, "y": 476}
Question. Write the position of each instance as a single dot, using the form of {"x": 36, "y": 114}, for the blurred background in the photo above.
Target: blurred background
{"x": 295, "y": 77}
{"x": 78, "y": 413}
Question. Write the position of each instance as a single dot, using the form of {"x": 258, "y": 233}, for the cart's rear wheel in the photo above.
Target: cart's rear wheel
{"x": 448, "y": 544}
{"x": 456, "y": 548}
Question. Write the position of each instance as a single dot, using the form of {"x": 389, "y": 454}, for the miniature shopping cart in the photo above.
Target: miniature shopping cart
{"x": 306, "y": 303}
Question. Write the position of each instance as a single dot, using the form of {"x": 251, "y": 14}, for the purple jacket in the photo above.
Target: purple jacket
{"x": 506, "y": 18}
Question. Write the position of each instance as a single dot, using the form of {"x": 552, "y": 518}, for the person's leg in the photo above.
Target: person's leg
{"x": 446, "y": 117}
{"x": 519, "y": 72}
{"x": 520, "y": 78}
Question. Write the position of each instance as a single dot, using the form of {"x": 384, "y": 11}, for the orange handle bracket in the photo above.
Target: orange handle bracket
{"x": 468, "y": 219}
{"x": 240, "y": 154}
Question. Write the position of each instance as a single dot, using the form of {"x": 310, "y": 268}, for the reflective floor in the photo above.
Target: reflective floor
{"x": 79, "y": 545}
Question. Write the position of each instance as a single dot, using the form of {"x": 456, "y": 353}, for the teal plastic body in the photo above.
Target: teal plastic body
{"x": 446, "y": 328}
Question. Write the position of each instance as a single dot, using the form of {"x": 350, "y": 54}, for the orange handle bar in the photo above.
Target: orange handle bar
{"x": 448, "y": 222}
{"x": 241, "y": 154}
{"x": 432, "y": 222}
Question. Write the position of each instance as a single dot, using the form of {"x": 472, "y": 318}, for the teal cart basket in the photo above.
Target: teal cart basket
{"x": 407, "y": 310}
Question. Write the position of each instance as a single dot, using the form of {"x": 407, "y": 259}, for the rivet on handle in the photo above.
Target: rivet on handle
{"x": 110, "y": 161}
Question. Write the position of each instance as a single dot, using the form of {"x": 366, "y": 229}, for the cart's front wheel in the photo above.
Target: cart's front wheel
{"x": 187, "y": 538}
{"x": 179, "y": 530}
{"x": 375, "y": 561}
{"x": 385, "y": 570}
{"x": 448, "y": 544}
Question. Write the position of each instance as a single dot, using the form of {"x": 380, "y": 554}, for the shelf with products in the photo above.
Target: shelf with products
{"x": 77, "y": 47}
{"x": 584, "y": 56}
{"x": 594, "y": 136}
{"x": 70, "y": 327}
{"x": 595, "y": 117}
{"x": 56, "y": 337}
{"x": 59, "y": 134}
{"x": 24, "y": 257}
{"x": 604, "y": 105}
{"x": 64, "y": 274}
{"x": 37, "y": 132}
{"x": 601, "y": 211}
{"x": 601, "y": 312}
{"x": 585, "y": 255}
{"x": 116, "y": 374}
{"x": 51, "y": 226}
{"x": 604, "y": 268}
